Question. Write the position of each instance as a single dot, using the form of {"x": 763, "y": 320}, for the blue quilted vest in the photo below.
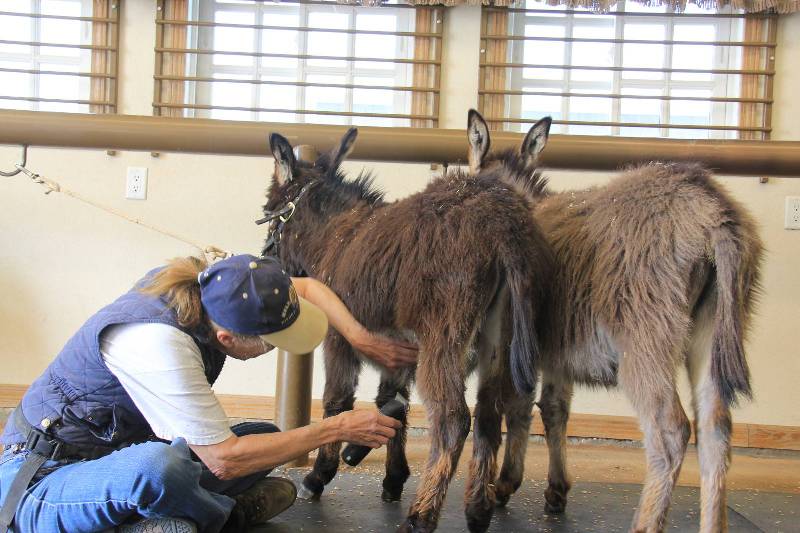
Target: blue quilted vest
{"x": 79, "y": 398}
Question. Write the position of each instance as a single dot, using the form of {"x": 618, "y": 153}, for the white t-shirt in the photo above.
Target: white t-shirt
{"x": 161, "y": 369}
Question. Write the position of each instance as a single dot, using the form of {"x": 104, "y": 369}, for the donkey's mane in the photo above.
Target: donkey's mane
{"x": 515, "y": 168}
{"x": 362, "y": 188}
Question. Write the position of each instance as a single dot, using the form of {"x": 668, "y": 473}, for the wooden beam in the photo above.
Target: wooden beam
{"x": 425, "y": 145}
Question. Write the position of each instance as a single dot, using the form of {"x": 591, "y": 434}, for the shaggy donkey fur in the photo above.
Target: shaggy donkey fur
{"x": 656, "y": 269}
{"x": 460, "y": 268}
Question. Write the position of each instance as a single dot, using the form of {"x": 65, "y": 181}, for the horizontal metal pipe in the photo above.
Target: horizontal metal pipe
{"x": 55, "y": 100}
{"x": 209, "y": 24}
{"x": 745, "y": 44}
{"x": 297, "y": 56}
{"x": 59, "y": 45}
{"x": 203, "y": 79}
{"x": 749, "y": 72}
{"x": 551, "y": 12}
{"x": 56, "y": 73}
{"x": 626, "y": 96}
{"x": 57, "y": 17}
{"x": 163, "y": 134}
{"x": 631, "y": 124}
{"x": 293, "y": 111}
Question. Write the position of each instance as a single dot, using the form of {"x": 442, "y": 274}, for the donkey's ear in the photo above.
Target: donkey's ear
{"x": 536, "y": 139}
{"x": 284, "y": 158}
{"x": 479, "y": 142}
{"x": 341, "y": 152}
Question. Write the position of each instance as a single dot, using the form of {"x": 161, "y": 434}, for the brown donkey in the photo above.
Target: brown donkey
{"x": 457, "y": 267}
{"x": 656, "y": 269}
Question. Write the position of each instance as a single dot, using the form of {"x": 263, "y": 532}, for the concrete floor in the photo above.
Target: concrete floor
{"x": 764, "y": 494}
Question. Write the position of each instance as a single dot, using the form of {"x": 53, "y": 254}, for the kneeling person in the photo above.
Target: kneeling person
{"x": 106, "y": 433}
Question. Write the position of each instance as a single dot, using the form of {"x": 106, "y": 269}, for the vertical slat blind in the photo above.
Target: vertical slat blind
{"x": 59, "y": 56}
{"x": 298, "y": 61}
{"x": 636, "y": 71}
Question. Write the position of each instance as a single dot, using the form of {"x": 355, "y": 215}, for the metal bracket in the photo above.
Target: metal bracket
{"x": 19, "y": 166}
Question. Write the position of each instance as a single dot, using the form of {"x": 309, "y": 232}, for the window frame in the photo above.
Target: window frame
{"x": 722, "y": 87}
{"x": 197, "y": 100}
{"x": 97, "y": 89}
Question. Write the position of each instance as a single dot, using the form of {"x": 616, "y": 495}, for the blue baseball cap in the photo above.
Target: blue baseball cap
{"x": 254, "y": 296}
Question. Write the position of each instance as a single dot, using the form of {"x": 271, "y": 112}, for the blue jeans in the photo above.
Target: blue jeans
{"x": 153, "y": 479}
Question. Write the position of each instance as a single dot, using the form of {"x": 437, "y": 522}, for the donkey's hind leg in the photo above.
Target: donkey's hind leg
{"x": 555, "y": 403}
{"x": 440, "y": 382}
{"x": 518, "y": 412}
{"x": 341, "y": 378}
{"x": 712, "y": 418}
{"x": 397, "y": 470}
{"x": 648, "y": 379}
{"x": 480, "y": 490}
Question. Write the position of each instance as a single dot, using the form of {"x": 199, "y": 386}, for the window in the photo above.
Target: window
{"x": 634, "y": 71}
{"x": 313, "y": 61}
{"x": 58, "y": 55}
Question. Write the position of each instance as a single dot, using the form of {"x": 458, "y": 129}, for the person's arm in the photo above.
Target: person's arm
{"x": 239, "y": 456}
{"x": 384, "y": 351}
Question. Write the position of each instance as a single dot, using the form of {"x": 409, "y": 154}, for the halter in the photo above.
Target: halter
{"x": 283, "y": 215}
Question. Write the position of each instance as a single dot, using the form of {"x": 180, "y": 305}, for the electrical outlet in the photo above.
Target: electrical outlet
{"x": 792, "y": 212}
{"x": 136, "y": 183}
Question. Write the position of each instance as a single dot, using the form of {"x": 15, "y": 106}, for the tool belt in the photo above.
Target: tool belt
{"x": 41, "y": 447}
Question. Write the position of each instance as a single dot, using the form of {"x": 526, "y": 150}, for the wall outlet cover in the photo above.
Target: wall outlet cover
{"x": 136, "y": 183}
{"x": 792, "y": 220}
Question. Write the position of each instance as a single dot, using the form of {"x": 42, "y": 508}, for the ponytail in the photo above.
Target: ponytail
{"x": 178, "y": 283}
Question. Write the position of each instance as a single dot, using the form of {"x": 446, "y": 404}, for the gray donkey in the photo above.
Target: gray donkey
{"x": 656, "y": 269}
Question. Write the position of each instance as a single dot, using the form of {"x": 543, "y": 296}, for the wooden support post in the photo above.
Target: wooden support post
{"x": 293, "y": 393}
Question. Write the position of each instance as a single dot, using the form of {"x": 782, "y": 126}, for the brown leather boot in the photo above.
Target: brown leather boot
{"x": 266, "y": 499}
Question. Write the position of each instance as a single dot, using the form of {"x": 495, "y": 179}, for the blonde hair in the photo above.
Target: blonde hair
{"x": 178, "y": 283}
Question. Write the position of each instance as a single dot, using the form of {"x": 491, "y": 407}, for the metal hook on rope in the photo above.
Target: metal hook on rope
{"x": 213, "y": 253}
{"x": 20, "y": 166}
{"x": 50, "y": 185}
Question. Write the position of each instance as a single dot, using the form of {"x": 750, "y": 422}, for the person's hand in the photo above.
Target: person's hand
{"x": 385, "y": 351}
{"x": 366, "y": 427}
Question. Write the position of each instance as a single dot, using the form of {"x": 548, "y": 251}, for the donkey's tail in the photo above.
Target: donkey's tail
{"x": 525, "y": 349}
{"x": 737, "y": 253}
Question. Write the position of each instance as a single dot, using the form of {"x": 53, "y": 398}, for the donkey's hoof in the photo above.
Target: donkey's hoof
{"x": 554, "y": 503}
{"x": 393, "y": 488}
{"x": 479, "y": 516}
{"x": 392, "y": 495}
{"x": 501, "y": 500}
{"x": 504, "y": 489}
{"x": 555, "y": 508}
{"x": 414, "y": 524}
{"x": 305, "y": 494}
{"x": 311, "y": 488}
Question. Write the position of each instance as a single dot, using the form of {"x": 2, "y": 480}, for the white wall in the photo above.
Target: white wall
{"x": 60, "y": 260}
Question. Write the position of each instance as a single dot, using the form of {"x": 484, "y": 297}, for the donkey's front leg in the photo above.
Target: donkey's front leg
{"x": 341, "y": 378}
{"x": 441, "y": 385}
{"x": 397, "y": 470}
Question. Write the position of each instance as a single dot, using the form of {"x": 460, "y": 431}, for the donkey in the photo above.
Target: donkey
{"x": 459, "y": 268}
{"x": 656, "y": 269}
